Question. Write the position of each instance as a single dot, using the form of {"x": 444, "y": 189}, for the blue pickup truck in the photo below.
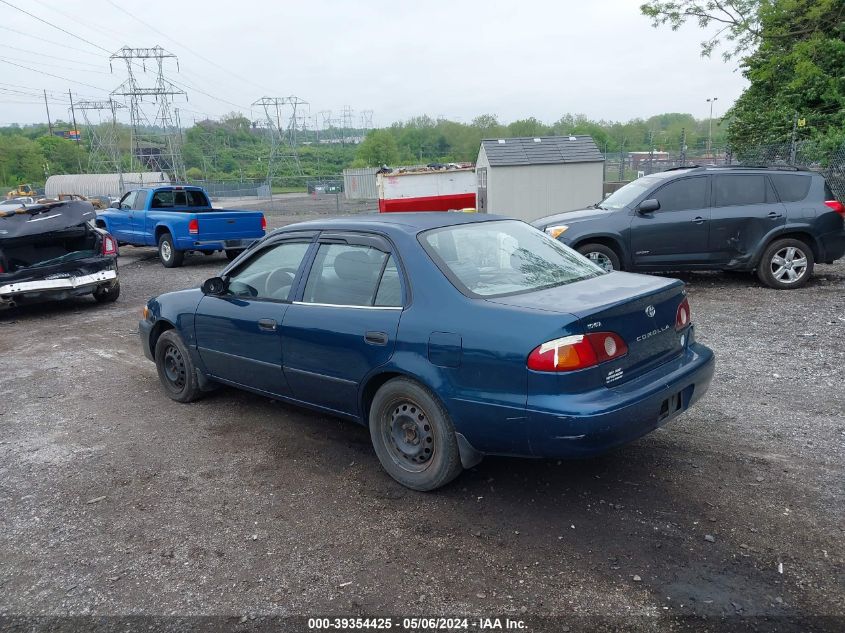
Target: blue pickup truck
{"x": 180, "y": 219}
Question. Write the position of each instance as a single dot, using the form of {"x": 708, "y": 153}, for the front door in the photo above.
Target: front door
{"x": 120, "y": 219}
{"x": 745, "y": 210}
{"x": 481, "y": 195}
{"x": 675, "y": 236}
{"x": 139, "y": 219}
{"x": 239, "y": 333}
{"x": 345, "y": 322}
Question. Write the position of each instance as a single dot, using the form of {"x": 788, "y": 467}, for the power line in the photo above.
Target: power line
{"x": 43, "y": 72}
{"x": 64, "y": 59}
{"x": 181, "y": 45}
{"x": 46, "y": 41}
{"x": 59, "y": 66}
{"x": 74, "y": 35}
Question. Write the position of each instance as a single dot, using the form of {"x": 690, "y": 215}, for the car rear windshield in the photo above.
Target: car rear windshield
{"x": 492, "y": 259}
{"x": 169, "y": 198}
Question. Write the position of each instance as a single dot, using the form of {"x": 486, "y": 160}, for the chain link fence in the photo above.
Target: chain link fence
{"x": 830, "y": 162}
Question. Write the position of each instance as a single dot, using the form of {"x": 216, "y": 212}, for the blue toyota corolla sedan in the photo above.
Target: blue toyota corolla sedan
{"x": 451, "y": 336}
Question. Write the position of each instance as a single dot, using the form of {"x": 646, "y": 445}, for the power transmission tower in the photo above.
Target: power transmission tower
{"x": 328, "y": 129}
{"x": 156, "y": 141}
{"x": 100, "y": 119}
{"x": 280, "y": 124}
{"x": 346, "y": 128}
{"x": 366, "y": 120}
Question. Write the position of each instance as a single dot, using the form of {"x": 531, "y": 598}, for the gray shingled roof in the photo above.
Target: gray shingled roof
{"x": 545, "y": 150}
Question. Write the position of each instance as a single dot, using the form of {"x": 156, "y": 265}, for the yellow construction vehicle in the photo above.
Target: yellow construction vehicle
{"x": 21, "y": 191}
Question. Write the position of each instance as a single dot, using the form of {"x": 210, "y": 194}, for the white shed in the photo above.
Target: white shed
{"x": 528, "y": 178}
{"x": 102, "y": 184}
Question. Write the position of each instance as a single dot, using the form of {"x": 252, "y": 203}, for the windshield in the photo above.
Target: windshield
{"x": 491, "y": 259}
{"x": 626, "y": 195}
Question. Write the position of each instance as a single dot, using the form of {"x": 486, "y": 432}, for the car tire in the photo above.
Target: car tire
{"x": 208, "y": 253}
{"x": 107, "y": 294}
{"x": 167, "y": 253}
{"x": 786, "y": 264}
{"x": 601, "y": 255}
{"x": 175, "y": 368}
{"x": 413, "y": 436}
{"x": 232, "y": 254}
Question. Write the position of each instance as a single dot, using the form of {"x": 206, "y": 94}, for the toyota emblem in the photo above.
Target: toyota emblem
{"x": 650, "y": 311}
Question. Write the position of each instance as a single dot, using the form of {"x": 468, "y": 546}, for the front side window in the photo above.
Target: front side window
{"x": 489, "y": 259}
{"x": 269, "y": 274}
{"x": 687, "y": 193}
{"x": 353, "y": 275}
{"x": 140, "y": 200}
{"x": 128, "y": 200}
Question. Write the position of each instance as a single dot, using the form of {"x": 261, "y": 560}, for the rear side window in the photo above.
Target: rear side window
{"x": 352, "y": 275}
{"x": 791, "y": 187}
{"x": 739, "y": 189}
{"x": 687, "y": 193}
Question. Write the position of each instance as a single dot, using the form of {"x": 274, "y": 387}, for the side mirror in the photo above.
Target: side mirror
{"x": 214, "y": 286}
{"x": 114, "y": 205}
{"x": 648, "y": 206}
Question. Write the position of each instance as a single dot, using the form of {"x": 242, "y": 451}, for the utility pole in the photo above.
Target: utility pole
{"x": 794, "y": 137}
{"x": 75, "y": 129}
{"x": 683, "y": 146}
{"x": 650, "y": 152}
{"x": 49, "y": 122}
{"x": 622, "y": 161}
{"x": 711, "y": 101}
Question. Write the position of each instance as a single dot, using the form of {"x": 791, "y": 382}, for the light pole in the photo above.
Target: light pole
{"x": 711, "y": 101}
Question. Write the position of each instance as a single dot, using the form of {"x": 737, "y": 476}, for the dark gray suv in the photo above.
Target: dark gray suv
{"x": 776, "y": 221}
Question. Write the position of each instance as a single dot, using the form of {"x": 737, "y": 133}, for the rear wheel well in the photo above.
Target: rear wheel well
{"x": 611, "y": 243}
{"x": 160, "y": 230}
{"x": 158, "y": 329}
{"x": 370, "y": 389}
{"x": 795, "y": 235}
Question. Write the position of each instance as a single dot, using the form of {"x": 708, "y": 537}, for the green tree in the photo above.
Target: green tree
{"x": 378, "y": 148}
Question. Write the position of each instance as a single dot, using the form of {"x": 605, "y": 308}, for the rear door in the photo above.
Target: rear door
{"x": 239, "y": 333}
{"x": 676, "y": 235}
{"x": 345, "y": 320}
{"x": 745, "y": 209}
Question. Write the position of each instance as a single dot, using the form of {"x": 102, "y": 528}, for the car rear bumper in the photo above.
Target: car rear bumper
{"x": 832, "y": 246}
{"x": 190, "y": 244}
{"x": 57, "y": 288}
{"x": 610, "y": 417}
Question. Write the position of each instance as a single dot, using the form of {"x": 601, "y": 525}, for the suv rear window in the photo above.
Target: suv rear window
{"x": 791, "y": 187}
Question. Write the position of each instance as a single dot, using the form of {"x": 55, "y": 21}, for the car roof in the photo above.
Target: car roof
{"x": 406, "y": 222}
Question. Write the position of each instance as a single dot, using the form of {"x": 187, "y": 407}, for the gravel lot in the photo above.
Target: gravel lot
{"x": 116, "y": 500}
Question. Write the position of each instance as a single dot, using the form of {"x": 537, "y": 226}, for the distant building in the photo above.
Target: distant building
{"x": 528, "y": 178}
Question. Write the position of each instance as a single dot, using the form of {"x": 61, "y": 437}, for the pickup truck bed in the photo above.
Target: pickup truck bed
{"x": 179, "y": 220}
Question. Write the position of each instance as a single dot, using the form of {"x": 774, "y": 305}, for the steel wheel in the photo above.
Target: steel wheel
{"x": 789, "y": 265}
{"x": 600, "y": 259}
{"x": 409, "y": 436}
{"x": 174, "y": 367}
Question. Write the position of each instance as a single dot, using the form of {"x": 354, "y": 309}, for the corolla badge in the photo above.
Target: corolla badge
{"x": 650, "y": 311}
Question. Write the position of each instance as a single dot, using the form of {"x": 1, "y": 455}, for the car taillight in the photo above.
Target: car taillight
{"x": 683, "y": 316}
{"x": 836, "y": 206}
{"x": 263, "y": 223}
{"x": 577, "y": 352}
{"x": 109, "y": 245}
{"x": 194, "y": 226}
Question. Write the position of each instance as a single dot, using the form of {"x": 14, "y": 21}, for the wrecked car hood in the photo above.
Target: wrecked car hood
{"x": 44, "y": 218}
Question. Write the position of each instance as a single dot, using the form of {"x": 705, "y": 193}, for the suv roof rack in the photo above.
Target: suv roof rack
{"x": 773, "y": 167}
{"x": 682, "y": 167}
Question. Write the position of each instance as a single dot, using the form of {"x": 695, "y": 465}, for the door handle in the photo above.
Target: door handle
{"x": 773, "y": 215}
{"x": 376, "y": 338}
{"x": 699, "y": 220}
{"x": 268, "y": 325}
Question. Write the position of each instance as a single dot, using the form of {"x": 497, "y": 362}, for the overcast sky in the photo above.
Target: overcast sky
{"x": 456, "y": 58}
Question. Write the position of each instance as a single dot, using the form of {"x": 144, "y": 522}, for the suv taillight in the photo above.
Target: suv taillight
{"x": 194, "y": 226}
{"x": 577, "y": 352}
{"x": 109, "y": 245}
{"x": 683, "y": 316}
{"x": 836, "y": 206}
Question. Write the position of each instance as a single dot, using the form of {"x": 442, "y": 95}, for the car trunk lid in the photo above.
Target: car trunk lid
{"x": 640, "y": 309}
